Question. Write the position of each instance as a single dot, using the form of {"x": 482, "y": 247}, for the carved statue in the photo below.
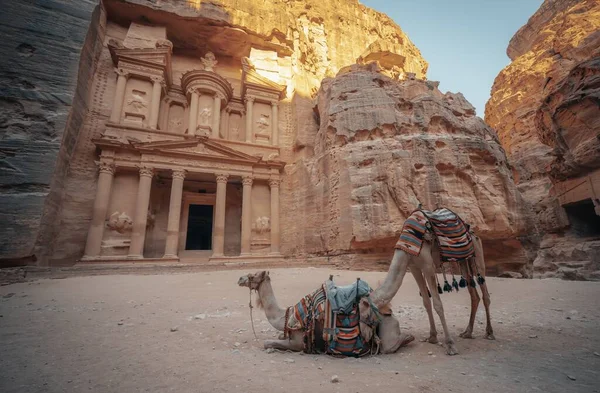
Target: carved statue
{"x": 205, "y": 115}
{"x": 262, "y": 225}
{"x": 263, "y": 123}
{"x": 119, "y": 222}
{"x": 137, "y": 102}
{"x": 176, "y": 124}
{"x": 210, "y": 61}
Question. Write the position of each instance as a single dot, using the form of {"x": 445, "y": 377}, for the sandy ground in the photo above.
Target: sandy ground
{"x": 191, "y": 333}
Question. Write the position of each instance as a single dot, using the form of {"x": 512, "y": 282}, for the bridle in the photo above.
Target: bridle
{"x": 250, "y": 281}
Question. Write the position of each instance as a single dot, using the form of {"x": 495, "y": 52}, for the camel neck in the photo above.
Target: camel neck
{"x": 267, "y": 297}
{"x": 386, "y": 292}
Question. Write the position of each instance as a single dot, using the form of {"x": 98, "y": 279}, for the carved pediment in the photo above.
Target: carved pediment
{"x": 202, "y": 147}
{"x": 254, "y": 80}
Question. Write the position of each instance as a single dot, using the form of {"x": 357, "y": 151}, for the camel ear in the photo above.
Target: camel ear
{"x": 385, "y": 309}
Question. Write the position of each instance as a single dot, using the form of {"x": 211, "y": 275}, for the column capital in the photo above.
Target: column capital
{"x": 122, "y": 72}
{"x": 249, "y": 99}
{"x": 106, "y": 167}
{"x": 178, "y": 174}
{"x": 247, "y": 180}
{"x": 195, "y": 90}
{"x": 157, "y": 79}
{"x": 222, "y": 177}
{"x": 274, "y": 104}
{"x": 274, "y": 183}
{"x": 146, "y": 171}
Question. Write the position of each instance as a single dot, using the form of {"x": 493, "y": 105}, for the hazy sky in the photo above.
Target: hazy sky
{"x": 464, "y": 41}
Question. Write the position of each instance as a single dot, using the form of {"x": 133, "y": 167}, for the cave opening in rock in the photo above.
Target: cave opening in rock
{"x": 584, "y": 222}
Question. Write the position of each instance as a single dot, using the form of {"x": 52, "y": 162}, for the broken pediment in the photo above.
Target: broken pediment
{"x": 254, "y": 81}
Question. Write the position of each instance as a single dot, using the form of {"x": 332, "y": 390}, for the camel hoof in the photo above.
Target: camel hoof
{"x": 466, "y": 335}
{"x": 430, "y": 340}
{"x": 451, "y": 351}
{"x": 490, "y": 336}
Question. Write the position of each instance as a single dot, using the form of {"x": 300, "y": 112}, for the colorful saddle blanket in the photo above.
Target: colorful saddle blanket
{"x": 341, "y": 333}
{"x": 451, "y": 232}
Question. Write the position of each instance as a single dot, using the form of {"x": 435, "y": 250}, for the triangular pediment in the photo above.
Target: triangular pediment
{"x": 201, "y": 147}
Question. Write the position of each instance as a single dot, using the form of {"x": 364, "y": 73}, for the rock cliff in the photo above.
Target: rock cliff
{"x": 48, "y": 50}
{"x": 384, "y": 146}
{"x": 545, "y": 107}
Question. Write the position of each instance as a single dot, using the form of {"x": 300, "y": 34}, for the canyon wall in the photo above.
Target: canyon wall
{"x": 48, "y": 52}
{"x": 545, "y": 107}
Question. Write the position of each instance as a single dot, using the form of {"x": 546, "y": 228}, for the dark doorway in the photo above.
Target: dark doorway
{"x": 199, "y": 229}
{"x": 583, "y": 219}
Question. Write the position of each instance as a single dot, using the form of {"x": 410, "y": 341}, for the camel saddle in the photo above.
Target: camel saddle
{"x": 450, "y": 232}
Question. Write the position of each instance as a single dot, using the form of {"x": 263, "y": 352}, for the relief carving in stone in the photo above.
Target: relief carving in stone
{"x": 210, "y": 61}
{"x": 119, "y": 222}
{"x": 262, "y": 225}
{"x": 176, "y": 125}
{"x": 137, "y": 101}
{"x": 263, "y": 123}
{"x": 205, "y": 115}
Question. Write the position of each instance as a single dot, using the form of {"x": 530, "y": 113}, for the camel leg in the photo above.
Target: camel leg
{"x": 437, "y": 304}
{"x": 295, "y": 343}
{"x": 468, "y": 333}
{"x": 480, "y": 262}
{"x": 418, "y": 275}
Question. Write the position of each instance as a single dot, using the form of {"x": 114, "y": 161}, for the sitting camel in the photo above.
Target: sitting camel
{"x": 388, "y": 328}
{"x": 423, "y": 269}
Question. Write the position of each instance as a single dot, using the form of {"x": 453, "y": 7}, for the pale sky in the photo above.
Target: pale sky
{"x": 464, "y": 41}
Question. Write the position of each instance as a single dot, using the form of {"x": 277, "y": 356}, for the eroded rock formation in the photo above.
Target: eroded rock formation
{"x": 382, "y": 147}
{"x": 545, "y": 107}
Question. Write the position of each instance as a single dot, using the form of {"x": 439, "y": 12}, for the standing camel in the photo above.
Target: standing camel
{"x": 423, "y": 269}
{"x": 391, "y": 339}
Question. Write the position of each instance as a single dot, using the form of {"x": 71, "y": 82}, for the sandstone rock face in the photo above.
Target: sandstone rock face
{"x": 383, "y": 147}
{"x": 48, "y": 50}
{"x": 545, "y": 105}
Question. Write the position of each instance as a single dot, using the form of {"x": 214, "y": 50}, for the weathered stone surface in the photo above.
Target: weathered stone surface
{"x": 545, "y": 107}
{"x": 383, "y": 147}
{"x": 43, "y": 44}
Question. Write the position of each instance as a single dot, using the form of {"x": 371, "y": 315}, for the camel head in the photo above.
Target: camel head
{"x": 253, "y": 281}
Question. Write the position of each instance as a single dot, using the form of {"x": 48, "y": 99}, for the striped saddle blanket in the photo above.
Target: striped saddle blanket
{"x": 335, "y": 333}
{"x": 451, "y": 232}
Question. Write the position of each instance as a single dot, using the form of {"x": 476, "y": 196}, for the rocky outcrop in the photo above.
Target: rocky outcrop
{"x": 384, "y": 146}
{"x": 47, "y": 60}
{"x": 545, "y": 106}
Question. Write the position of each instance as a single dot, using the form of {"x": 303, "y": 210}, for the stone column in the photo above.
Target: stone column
{"x": 155, "y": 101}
{"x": 275, "y": 123}
{"x": 216, "y": 119}
{"x": 138, "y": 235}
{"x": 219, "y": 235}
{"x": 193, "y": 119}
{"x": 174, "y": 213}
{"x": 94, "y": 236}
{"x": 115, "y": 115}
{"x": 246, "y": 215}
{"x": 249, "y": 105}
{"x": 274, "y": 184}
{"x": 226, "y": 124}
